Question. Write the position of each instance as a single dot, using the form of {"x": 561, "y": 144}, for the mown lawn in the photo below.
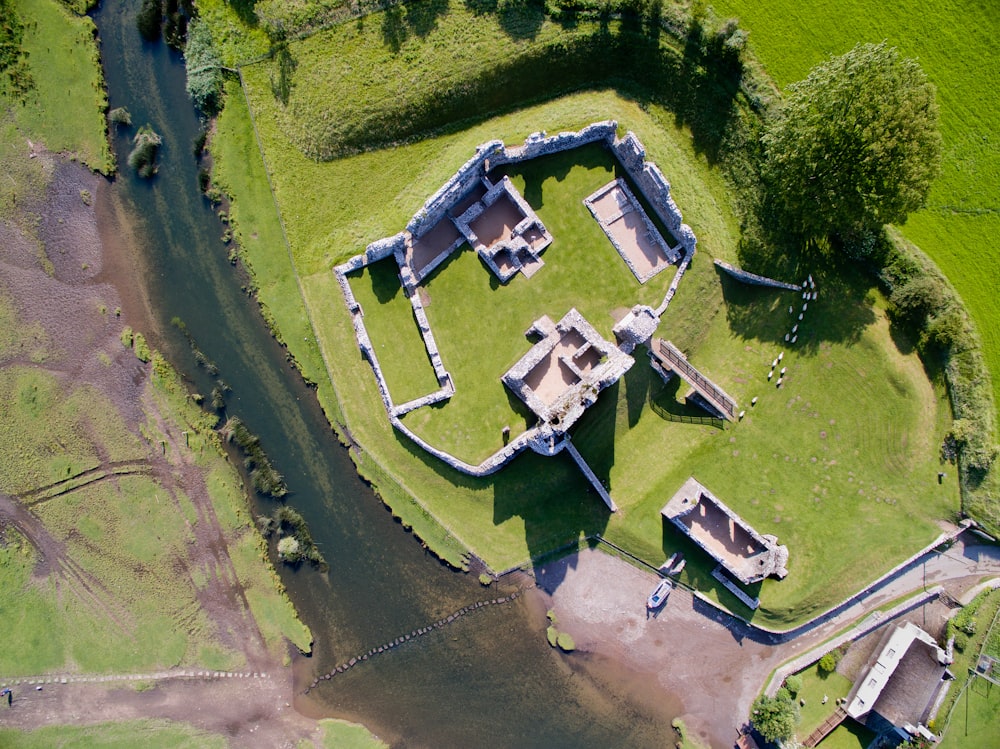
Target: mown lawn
{"x": 955, "y": 42}
{"x": 815, "y": 686}
{"x": 786, "y": 467}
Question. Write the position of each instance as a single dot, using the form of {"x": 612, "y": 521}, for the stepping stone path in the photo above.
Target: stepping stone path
{"x": 413, "y": 635}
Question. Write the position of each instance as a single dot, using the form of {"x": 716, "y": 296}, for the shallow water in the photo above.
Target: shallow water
{"x": 489, "y": 679}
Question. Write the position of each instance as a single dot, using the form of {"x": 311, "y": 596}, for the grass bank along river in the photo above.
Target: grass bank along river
{"x": 490, "y": 675}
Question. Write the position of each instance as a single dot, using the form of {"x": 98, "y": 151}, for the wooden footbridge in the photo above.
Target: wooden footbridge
{"x": 668, "y": 357}
{"x": 826, "y": 728}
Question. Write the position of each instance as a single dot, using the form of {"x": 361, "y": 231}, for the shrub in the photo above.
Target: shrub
{"x": 146, "y": 144}
{"x": 793, "y": 684}
{"x": 288, "y": 550}
{"x": 774, "y": 717}
{"x": 828, "y": 663}
{"x": 120, "y": 116}
{"x": 961, "y": 641}
{"x": 565, "y": 642}
{"x": 293, "y": 526}
{"x": 204, "y": 69}
{"x": 264, "y": 477}
{"x": 141, "y": 348}
{"x": 484, "y": 579}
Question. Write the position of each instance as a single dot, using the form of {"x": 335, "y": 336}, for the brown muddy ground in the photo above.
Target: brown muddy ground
{"x": 68, "y": 265}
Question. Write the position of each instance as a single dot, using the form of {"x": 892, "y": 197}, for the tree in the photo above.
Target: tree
{"x": 855, "y": 147}
{"x": 774, "y": 717}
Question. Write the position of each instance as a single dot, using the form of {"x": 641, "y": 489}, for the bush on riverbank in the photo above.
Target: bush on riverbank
{"x": 264, "y": 477}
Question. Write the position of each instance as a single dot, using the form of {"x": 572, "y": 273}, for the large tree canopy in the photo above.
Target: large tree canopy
{"x": 856, "y": 145}
{"x": 774, "y": 717}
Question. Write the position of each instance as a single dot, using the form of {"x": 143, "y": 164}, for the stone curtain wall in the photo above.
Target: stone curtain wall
{"x": 538, "y": 144}
{"x": 629, "y": 152}
{"x": 437, "y": 205}
{"x": 753, "y": 279}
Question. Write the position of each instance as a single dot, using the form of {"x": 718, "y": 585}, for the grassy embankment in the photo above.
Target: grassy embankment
{"x": 121, "y": 540}
{"x": 807, "y": 463}
{"x": 955, "y": 44}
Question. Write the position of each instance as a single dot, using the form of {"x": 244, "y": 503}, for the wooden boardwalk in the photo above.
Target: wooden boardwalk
{"x": 826, "y": 728}
{"x": 670, "y": 358}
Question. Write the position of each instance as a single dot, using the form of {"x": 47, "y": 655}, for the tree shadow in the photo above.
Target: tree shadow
{"x": 422, "y": 17}
{"x": 282, "y": 78}
{"x": 521, "y": 19}
{"x": 845, "y": 307}
{"x": 246, "y": 11}
{"x": 384, "y": 279}
{"x": 481, "y": 7}
{"x": 394, "y": 29}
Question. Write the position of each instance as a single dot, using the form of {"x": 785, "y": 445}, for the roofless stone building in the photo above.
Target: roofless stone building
{"x": 562, "y": 374}
{"x": 725, "y": 536}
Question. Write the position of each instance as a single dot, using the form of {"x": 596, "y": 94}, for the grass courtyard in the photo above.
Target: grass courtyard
{"x": 840, "y": 463}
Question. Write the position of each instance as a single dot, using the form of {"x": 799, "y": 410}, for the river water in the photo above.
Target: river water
{"x": 490, "y": 679}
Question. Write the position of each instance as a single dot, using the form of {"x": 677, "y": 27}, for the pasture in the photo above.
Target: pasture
{"x": 840, "y": 463}
{"x": 955, "y": 42}
{"x": 65, "y": 109}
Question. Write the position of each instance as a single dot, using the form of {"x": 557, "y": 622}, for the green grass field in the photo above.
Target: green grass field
{"x": 339, "y": 734}
{"x": 971, "y": 716}
{"x": 155, "y": 734}
{"x": 955, "y": 42}
{"x": 815, "y": 686}
{"x": 843, "y": 458}
{"x": 65, "y": 111}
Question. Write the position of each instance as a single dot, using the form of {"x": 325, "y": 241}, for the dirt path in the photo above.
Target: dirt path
{"x": 252, "y": 712}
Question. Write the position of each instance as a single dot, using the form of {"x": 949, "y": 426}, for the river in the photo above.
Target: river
{"x": 490, "y": 679}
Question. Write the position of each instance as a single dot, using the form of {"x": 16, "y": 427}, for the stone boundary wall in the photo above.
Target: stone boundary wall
{"x": 591, "y": 476}
{"x": 437, "y": 205}
{"x": 753, "y": 279}
{"x": 491, "y": 465}
{"x": 654, "y": 186}
{"x": 538, "y": 144}
{"x": 675, "y": 283}
{"x": 751, "y": 603}
{"x": 630, "y": 154}
{"x": 423, "y": 324}
{"x": 862, "y": 628}
{"x": 178, "y": 673}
